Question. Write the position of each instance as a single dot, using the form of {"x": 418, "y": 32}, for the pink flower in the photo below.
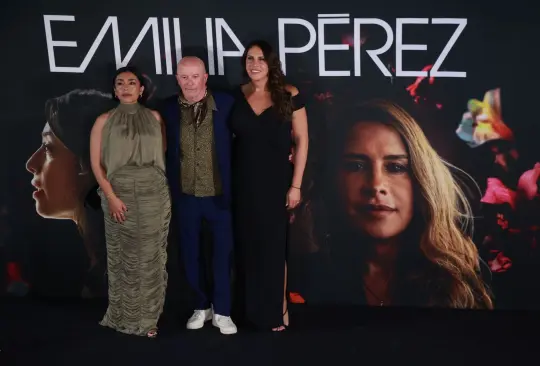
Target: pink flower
{"x": 501, "y": 263}
{"x": 497, "y": 193}
{"x": 528, "y": 183}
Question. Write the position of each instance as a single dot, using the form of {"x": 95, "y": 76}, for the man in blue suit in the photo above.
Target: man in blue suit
{"x": 199, "y": 174}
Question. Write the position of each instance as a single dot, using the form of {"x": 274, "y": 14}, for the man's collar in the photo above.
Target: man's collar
{"x": 208, "y": 96}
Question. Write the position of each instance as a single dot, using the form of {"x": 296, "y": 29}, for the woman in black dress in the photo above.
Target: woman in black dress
{"x": 267, "y": 113}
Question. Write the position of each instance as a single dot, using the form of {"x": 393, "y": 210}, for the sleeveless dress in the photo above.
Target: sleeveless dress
{"x": 133, "y": 157}
{"x": 262, "y": 176}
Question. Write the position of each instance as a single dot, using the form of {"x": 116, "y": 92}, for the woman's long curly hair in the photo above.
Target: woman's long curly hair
{"x": 281, "y": 98}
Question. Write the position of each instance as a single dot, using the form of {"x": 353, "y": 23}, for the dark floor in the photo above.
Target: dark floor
{"x": 67, "y": 333}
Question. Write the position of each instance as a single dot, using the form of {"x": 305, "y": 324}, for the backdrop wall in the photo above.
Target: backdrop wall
{"x": 432, "y": 60}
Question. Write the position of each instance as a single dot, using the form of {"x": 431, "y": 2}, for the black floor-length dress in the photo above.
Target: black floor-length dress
{"x": 262, "y": 176}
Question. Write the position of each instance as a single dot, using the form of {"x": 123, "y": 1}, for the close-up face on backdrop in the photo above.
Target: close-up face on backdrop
{"x": 375, "y": 181}
{"x": 55, "y": 177}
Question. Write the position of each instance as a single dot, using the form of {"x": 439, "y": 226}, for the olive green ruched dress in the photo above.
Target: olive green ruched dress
{"x": 133, "y": 157}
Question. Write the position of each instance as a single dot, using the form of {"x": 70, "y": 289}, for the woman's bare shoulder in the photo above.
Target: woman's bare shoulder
{"x": 292, "y": 89}
{"x": 102, "y": 118}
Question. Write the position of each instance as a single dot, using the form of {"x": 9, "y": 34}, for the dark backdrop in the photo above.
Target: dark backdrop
{"x": 496, "y": 49}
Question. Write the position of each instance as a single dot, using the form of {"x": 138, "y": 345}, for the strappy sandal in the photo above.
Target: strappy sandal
{"x": 152, "y": 333}
{"x": 283, "y": 326}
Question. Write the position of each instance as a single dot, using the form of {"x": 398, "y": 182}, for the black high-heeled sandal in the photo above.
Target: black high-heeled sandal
{"x": 283, "y": 325}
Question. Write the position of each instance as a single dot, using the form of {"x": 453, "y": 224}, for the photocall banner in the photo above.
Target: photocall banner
{"x": 462, "y": 73}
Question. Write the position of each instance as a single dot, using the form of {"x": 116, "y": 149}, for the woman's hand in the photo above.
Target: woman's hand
{"x": 293, "y": 197}
{"x": 117, "y": 209}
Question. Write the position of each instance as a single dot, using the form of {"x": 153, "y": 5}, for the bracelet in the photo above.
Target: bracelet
{"x": 295, "y": 187}
{"x": 109, "y": 195}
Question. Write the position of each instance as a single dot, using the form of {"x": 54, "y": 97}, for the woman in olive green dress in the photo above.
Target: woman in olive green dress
{"x": 127, "y": 148}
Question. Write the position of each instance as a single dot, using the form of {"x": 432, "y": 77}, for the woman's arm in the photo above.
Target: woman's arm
{"x": 95, "y": 156}
{"x": 163, "y": 129}
{"x": 301, "y": 139}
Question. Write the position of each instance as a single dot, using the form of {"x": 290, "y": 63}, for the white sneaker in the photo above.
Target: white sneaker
{"x": 224, "y": 323}
{"x": 198, "y": 319}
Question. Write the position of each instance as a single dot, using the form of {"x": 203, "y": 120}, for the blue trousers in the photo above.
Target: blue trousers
{"x": 192, "y": 210}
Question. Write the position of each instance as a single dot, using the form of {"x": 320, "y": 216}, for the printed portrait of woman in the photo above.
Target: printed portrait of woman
{"x": 397, "y": 219}
{"x": 65, "y": 187}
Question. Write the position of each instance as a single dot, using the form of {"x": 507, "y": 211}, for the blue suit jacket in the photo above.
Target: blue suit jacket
{"x": 170, "y": 113}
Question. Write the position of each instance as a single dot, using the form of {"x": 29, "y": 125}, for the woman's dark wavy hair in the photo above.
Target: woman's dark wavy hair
{"x": 281, "y": 98}
{"x": 132, "y": 69}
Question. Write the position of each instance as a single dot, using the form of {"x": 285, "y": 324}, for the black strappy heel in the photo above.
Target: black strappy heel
{"x": 283, "y": 325}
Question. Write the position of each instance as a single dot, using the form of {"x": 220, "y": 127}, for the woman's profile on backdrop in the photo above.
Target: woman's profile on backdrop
{"x": 65, "y": 187}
